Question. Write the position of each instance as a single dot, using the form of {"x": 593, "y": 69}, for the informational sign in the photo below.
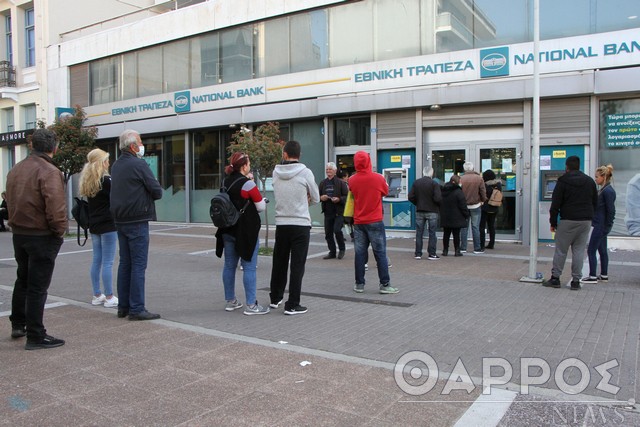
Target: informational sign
{"x": 486, "y": 164}
{"x": 396, "y": 159}
{"x": 545, "y": 163}
{"x": 623, "y": 130}
{"x": 507, "y": 165}
{"x": 406, "y": 162}
{"x": 559, "y": 154}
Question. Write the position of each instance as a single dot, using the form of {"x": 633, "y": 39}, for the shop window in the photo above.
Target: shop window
{"x": 352, "y": 131}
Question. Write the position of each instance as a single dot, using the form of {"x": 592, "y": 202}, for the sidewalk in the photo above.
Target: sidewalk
{"x": 200, "y": 365}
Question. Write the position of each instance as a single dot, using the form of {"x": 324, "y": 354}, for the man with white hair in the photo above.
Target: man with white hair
{"x": 426, "y": 195}
{"x": 333, "y": 195}
{"x": 476, "y": 194}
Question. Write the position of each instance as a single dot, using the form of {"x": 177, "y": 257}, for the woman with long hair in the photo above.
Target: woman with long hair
{"x": 95, "y": 185}
{"x": 240, "y": 241}
{"x": 601, "y": 223}
{"x": 489, "y": 212}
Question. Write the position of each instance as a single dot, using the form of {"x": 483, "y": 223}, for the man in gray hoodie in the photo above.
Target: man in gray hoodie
{"x": 294, "y": 188}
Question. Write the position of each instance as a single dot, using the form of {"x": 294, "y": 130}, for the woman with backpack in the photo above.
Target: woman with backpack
{"x": 240, "y": 241}
{"x": 95, "y": 185}
{"x": 490, "y": 208}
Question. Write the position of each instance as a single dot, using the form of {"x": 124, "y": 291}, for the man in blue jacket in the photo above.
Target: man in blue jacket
{"x": 134, "y": 190}
{"x": 574, "y": 200}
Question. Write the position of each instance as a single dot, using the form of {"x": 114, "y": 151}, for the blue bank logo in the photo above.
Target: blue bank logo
{"x": 494, "y": 62}
{"x": 182, "y": 101}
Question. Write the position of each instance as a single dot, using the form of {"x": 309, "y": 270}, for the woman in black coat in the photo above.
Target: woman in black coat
{"x": 453, "y": 214}
{"x": 489, "y": 212}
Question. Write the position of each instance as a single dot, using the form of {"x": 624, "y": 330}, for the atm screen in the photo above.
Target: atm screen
{"x": 395, "y": 182}
{"x": 550, "y": 186}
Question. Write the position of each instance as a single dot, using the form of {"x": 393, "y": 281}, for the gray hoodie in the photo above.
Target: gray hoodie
{"x": 294, "y": 188}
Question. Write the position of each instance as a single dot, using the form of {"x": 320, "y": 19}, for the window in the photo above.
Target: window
{"x": 7, "y": 116}
{"x": 103, "y": 80}
{"x": 352, "y": 131}
{"x": 8, "y": 39}
{"x": 29, "y": 116}
{"x": 30, "y": 37}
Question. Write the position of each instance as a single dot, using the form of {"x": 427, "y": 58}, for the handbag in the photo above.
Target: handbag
{"x": 348, "y": 206}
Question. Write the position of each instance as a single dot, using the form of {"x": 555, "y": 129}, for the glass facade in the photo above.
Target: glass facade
{"x": 366, "y": 31}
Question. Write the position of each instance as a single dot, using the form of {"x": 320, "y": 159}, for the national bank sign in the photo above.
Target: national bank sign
{"x": 494, "y": 62}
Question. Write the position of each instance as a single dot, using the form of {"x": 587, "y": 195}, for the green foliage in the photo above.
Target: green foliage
{"x": 264, "y": 148}
{"x": 74, "y": 142}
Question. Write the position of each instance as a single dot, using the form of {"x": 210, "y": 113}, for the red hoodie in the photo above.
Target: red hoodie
{"x": 368, "y": 189}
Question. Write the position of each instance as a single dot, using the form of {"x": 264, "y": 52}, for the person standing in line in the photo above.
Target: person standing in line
{"x": 574, "y": 200}
{"x": 134, "y": 191}
{"x": 476, "y": 194}
{"x": 294, "y": 188}
{"x": 489, "y": 212}
{"x": 4, "y": 212}
{"x": 602, "y": 223}
{"x": 38, "y": 219}
{"x": 426, "y": 194}
{"x": 368, "y": 189}
{"x": 241, "y": 241}
{"x": 454, "y": 214}
{"x": 95, "y": 185}
{"x": 333, "y": 195}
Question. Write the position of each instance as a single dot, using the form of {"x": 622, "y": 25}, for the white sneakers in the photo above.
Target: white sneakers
{"x": 102, "y": 299}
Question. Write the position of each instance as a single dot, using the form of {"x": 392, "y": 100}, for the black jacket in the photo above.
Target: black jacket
{"x": 453, "y": 209}
{"x": 490, "y": 186}
{"x": 100, "y": 219}
{"x": 574, "y": 198}
{"x": 340, "y": 189}
{"x": 426, "y": 194}
{"x": 133, "y": 190}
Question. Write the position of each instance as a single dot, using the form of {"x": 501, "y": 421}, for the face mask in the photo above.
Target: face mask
{"x": 141, "y": 152}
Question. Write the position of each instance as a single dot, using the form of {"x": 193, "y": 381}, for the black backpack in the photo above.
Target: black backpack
{"x": 80, "y": 212}
{"x": 222, "y": 211}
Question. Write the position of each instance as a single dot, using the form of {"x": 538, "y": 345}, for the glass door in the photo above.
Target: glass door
{"x": 446, "y": 163}
{"x": 503, "y": 162}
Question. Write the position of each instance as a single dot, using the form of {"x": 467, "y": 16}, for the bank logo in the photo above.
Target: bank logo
{"x": 182, "y": 101}
{"x": 494, "y": 62}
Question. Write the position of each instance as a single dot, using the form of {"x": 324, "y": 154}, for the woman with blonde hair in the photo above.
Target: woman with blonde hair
{"x": 601, "y": 223}
{"x": 95, "y": 185}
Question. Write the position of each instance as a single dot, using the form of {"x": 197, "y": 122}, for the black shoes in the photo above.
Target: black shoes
{"x": 341, "y": 254}
{"x": 298, "y": 309}
{"x": 122, "y": 313}
{"x": 46, "y": 342}
{"x": 329, "y": 256}
{"x": 445, "y": 251}
{"x": 575, "y": 285}
{"x": 458, "y": 253}
{"x": 143, "y": 315}
{"x": 18, "y": 331}
{"x": 554, "y": 282}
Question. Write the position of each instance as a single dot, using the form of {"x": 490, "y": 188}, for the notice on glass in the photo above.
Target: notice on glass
{"x": 623, "y": 130}
{"x": 507, "y": 165}
{"x": 545, "y": 163}
{"x": 406, "y": 161}
{"x": 486, "y": 164}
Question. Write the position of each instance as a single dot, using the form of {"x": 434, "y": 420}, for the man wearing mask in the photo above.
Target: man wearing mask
{"x": 38, "y": 219}
{"x": 134, "y": 190}
{"x": 333, "y": 195}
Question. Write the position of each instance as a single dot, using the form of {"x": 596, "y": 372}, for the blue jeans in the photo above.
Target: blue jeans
{"x": 229, "y": 271}
{"x": 133, "y": 240}
{"x": 475, "y": 230}
{"x": 104, "y": 251}
{"x": 371, "y": 233}
{"x": 598, "y": 243}
{"x": 431, "y": 220}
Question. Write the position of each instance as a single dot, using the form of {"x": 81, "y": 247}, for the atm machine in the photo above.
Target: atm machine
{"x": 398, "y": 169}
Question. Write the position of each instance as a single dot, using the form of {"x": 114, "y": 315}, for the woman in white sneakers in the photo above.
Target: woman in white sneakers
{"x": 95, "y": 185}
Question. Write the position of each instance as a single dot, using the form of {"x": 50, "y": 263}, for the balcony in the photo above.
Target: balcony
{"x": 7, "y": 74}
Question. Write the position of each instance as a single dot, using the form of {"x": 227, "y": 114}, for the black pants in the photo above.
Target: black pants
{"x": 488, "y": 221}
{"x": 456, "y": 238}
{"x": 36, "y": 258}
{"x": 291, "y": 241}
{"x": 333, "y": 227}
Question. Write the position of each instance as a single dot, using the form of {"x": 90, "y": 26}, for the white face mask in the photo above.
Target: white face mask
{"x": 141, "y": 152}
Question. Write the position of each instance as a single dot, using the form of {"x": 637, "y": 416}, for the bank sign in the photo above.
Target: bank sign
{"x": 605, "y": 50}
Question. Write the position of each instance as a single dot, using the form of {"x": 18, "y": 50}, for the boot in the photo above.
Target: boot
{"x": 445, "y": 251}
{"x": 458, "y": 253}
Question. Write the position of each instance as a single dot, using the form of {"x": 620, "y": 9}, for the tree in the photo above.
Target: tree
{"x": 74, "y": 142}
{"x": 264, "y": 148}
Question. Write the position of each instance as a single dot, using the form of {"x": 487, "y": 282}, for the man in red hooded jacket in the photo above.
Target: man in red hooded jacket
{"x": 368, "y": 189}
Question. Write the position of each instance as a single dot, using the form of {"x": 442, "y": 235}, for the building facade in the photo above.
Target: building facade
{"x": 412, "y": 82}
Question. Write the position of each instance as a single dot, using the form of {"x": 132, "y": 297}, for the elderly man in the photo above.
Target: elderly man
{"x": 38, "y": 219}
{"x": 333, "y": 195}
{"x": 475, "y": 193}
{"x": 134, "y": 191}
{"x": 426, "y": 195}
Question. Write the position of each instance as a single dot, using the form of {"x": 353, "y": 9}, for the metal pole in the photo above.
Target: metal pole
{"x": 535, "y": 150}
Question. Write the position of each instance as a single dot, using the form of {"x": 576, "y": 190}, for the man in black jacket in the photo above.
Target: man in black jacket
{"x": 134, "y": 190}
{"x": 426, "y": 195}
{"x": 574, "y": 200}
{"x": 333, "y": 195}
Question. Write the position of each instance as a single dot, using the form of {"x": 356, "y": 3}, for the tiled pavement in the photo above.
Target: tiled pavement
{"x": 203, "y": 366}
